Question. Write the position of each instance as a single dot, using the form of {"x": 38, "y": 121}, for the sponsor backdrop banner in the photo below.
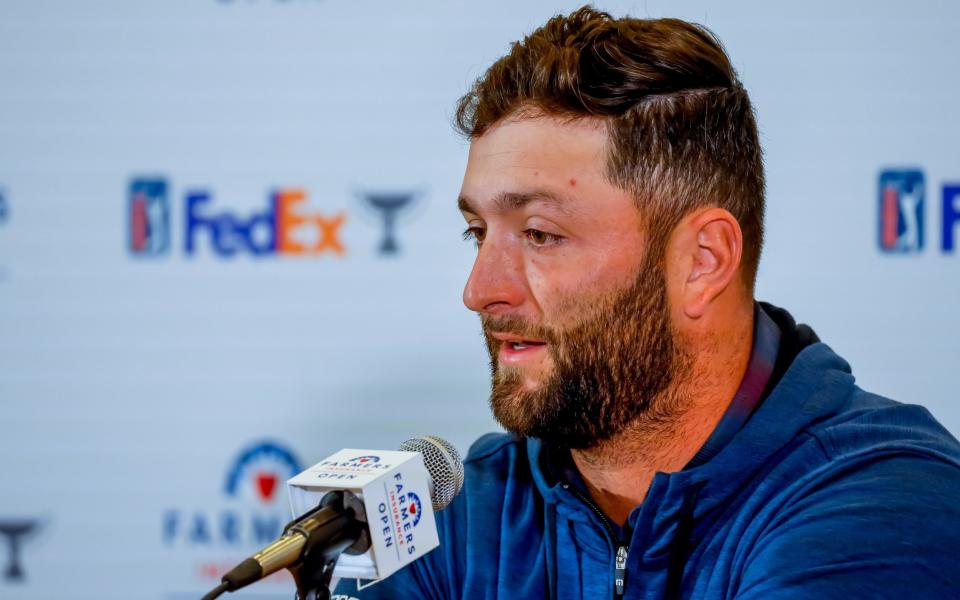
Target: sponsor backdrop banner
{"x": 229, "y": 246}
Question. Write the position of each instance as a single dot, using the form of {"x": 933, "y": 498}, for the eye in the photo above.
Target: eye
{"x": 541, "y": 238}
{"x": 475, "y": 233}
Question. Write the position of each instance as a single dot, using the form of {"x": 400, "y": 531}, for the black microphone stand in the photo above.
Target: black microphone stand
{"x": 314, "y": 573}
{"x": 335, "y": 526}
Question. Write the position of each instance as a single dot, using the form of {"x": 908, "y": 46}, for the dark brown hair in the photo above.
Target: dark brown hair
{"x": 682, "y": 130}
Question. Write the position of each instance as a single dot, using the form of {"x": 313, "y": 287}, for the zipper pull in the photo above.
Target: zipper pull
{"x": 620, "y": 573}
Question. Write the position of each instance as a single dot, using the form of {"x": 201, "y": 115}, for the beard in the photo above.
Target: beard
{"x": 617, "y": 365}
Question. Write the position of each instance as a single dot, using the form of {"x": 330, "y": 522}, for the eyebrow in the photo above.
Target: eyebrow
{"x": 510, "y": 201}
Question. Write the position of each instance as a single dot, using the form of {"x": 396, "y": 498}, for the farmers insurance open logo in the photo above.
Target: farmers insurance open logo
{"x": 368, "y": 463}
{"x": 250, "y": 513}
{"x": 398, "y": 520}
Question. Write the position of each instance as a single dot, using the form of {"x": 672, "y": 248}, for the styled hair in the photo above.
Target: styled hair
{"x": 681, "y": 128}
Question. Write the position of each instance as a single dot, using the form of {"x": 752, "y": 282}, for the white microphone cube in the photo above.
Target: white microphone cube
{"x": 395, "y": 491}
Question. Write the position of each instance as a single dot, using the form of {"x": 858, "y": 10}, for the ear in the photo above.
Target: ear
{"x": 709, "y": 246}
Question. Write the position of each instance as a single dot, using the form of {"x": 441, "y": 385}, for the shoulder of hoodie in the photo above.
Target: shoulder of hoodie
{"x": 494, "y": 447}
{"x": 494, "y": 459}
{"x": 867, "y": 424}
{"x": 883, "y": 463}
{"x": 498, "y": 457}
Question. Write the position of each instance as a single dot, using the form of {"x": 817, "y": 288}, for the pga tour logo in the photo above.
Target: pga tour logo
{"x": 149, "y": 213}
{"x": 901, "y": 212}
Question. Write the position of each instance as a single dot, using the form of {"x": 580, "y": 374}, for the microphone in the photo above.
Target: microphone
{"x": 353, "y": 485}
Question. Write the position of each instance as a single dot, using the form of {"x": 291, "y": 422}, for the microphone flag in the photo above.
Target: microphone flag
{"x": 395, "y": 489}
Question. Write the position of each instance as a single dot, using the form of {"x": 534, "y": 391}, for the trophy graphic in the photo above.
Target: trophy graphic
{"x": 14, "y": 531}
{"x": 389, "y": 205}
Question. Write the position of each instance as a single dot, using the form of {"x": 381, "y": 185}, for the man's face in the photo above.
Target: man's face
{"x": 573, "y": 302}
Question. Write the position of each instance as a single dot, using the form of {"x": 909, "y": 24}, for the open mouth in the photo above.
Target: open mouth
{"x": 517, "y": 350}
{"x": 525, "y": 344}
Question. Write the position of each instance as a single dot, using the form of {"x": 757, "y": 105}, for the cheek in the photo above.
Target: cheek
{"x": 565, "y": 289}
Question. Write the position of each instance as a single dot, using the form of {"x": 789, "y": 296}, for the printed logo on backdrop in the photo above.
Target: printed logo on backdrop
{"x": 951, "y": 215}
{"x": 286, "y": 225}
{"x": 4, "y": 207}
{"x": 283, "y": 227}
{"x": 148, "y": 212}
{"x": 901, "y": 212}
{"x": 4, "y": 218}
{"x": 245, "y": 513}
{"x": 16, "y": 532}
{"x": 390, "y": 207}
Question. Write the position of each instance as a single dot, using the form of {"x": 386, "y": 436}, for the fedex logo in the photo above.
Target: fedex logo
{"x": 951, "y": 214}
{"x": 901, "y": 212}
{"x": 284, "y": 227}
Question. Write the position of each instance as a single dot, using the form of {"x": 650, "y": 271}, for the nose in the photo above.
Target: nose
{"x": 496, "y": 284}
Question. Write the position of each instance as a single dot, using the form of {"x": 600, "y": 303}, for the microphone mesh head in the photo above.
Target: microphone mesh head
{"x": 443, "y": 464}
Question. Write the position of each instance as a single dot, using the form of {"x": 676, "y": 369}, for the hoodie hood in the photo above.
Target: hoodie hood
{"x": 776, "y": 422}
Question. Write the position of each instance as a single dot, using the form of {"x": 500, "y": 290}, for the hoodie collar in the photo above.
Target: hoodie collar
{"x": 812, "y": 388}
{"x": 763, "y": 356}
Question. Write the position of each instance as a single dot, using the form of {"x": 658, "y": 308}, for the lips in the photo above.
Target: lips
{"x": 516, "y": 340}
{"x": 524, "y": 344}
{"x": 516, "y": 350}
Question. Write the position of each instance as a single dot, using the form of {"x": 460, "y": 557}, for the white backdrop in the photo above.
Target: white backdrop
{"x": 150, "y": 406}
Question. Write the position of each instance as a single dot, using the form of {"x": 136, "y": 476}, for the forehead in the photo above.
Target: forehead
{"x": 524, "y": 154}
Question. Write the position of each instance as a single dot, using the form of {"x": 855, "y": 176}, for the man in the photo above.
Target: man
{"x": 671, "y": 437}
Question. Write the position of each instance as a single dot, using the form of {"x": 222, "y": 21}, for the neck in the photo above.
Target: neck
{"x": 619, "y": 471}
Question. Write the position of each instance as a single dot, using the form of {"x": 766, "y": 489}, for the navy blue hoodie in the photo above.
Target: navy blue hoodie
{"x": 826, "y": 492}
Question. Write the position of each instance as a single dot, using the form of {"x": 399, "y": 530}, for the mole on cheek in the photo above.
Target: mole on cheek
{"x": 573, "y": 181}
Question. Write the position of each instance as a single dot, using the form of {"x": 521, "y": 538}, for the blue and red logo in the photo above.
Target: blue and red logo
{"x": 284, "y": 227}
{"x": 411, "y": 509}
{"x": 901, "y": 212}
{"x": 404, "y": 511}
{"x": 368, "y": 459}
{"x": 287, "y": 226}
{"x": 149, "y": 217}
{"x": 249, "y": 514}
{"x": 259, "y": 471}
